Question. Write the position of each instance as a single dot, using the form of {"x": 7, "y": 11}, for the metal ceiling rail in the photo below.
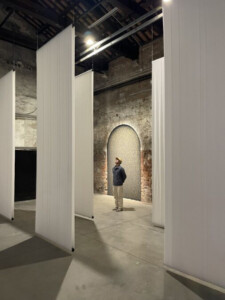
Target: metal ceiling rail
{"x": 89, "y": 10}
{"x": 119, "y": 39}
{"x": 145, "y": 16}
{"x": 103, "y": 18}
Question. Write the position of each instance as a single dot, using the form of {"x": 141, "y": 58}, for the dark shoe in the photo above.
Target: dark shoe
{"x": 115, "y": 208}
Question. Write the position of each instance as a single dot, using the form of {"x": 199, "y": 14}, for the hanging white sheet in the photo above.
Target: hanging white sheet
{"x": 158, "y": 142}
{"x": 84, "y": 93}
{"x": 195, "y": 144}
{"x": 55, "y": 140}
{"x": 7, "y": 147}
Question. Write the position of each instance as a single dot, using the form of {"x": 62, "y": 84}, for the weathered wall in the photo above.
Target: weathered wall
{"x": 24, "y": 62}
{"x": 26, "y": 133}
{"x": 129, "y": 104}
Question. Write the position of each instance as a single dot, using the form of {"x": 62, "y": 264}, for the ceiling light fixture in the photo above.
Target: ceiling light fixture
{"x": 90, "y": 41}
{"x": 166, "y": 1}
{"x": 89, "y": 38}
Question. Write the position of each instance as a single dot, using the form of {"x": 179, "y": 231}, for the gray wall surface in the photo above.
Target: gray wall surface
{"x": 124, "y": 143}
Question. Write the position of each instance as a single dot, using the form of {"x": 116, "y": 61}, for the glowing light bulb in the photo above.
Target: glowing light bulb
{"x": 167, "y": 1}
{"x": 90, "y": 41}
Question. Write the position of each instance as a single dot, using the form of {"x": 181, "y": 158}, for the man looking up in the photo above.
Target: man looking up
{"x": 119, "y": 177}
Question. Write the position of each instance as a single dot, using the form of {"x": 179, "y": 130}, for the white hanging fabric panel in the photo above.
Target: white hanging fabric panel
{"x": 195, "y": 144}
{"x": 55, "y": 140}
{"x": 7, "y": 147}
{"x": 158, "y": 142}
{"x": 84, "y": 93}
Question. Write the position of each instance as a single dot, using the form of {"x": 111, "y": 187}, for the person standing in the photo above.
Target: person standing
{"x": 119, "y": 176}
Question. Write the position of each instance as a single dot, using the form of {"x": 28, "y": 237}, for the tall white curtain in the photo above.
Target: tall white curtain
{"x": 7, "y": 146}
{"x": 55, "y": 140}
{"x": 158, "y": 142}
{"x": 195, "y": 143}
{"x": 84, "y": 157}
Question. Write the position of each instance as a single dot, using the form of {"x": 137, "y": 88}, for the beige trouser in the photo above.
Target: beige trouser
{"x": 118, "y": 195}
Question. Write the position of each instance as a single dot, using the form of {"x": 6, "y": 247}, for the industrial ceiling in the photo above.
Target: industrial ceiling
{"x": 119, "y": 26}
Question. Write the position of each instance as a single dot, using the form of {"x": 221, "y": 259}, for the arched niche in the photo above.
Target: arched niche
{"x": 124, "y": 143}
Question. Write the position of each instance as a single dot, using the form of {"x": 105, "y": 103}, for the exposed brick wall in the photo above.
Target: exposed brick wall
{"x": 25, "y": 66}
{"x": 146, "y": 178}
{"x": 130, "y": 105}
{"x": 100, "y": 171}
{"x": 25, "y": 133}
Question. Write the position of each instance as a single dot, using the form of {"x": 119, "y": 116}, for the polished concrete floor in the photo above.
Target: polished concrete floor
{"x": 119, "y": 256}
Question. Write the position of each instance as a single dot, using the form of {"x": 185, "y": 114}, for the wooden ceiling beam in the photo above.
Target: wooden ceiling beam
{"x": 34, "y": 25}
{"x": 6, "y": 18}
{"x": 35, "y": 10}
{"x": 17, "y": 39}
{"x": 124, "y": 49}
{"x": 131, "y": 8}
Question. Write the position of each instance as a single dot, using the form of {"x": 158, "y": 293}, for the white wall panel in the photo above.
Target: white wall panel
{"x": 84, "y": 94}
{"x": 195, "y": 143}
{"x": 158, "y": 142}
{"x": 55, "y": 140}
{"x": 7, "y": 147}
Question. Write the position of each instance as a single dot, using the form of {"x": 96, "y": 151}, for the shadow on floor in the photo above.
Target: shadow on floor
{"x": 204, "y": 292}
{"x": 38, "y": 281}
{"x": 129, "y": 209}
{"x": 30, "y": 251}
{"x": 3, "y": 220}
{"x": 24, "y": 220}
{"x": 92, "y": 251}
{"x": 34, "y": 268}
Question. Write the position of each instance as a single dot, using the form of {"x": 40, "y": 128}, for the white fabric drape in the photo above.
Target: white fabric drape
{"x": 7, "y": 147}
{"x": 55, "y": 140}
{"x": 158, "y": 142}
{"x": 84, "y": 93}
{"x": 195, "y": 144}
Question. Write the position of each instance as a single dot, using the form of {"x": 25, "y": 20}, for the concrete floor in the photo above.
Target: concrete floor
{"x": 118, "y": 256}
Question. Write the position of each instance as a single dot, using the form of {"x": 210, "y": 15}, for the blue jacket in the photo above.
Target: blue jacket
{"x": 119, "y": 175}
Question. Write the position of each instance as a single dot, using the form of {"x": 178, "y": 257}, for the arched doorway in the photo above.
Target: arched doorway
{"x": 124, "y": 143}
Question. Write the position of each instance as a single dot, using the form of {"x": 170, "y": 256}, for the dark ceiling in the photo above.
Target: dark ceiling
{"x": 43, "y": 19}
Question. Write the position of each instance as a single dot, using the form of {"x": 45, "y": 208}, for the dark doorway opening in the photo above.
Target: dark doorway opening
{"x": 25, "y": 174}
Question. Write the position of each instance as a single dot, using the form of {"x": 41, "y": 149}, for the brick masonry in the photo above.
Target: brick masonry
{"x": 24, "y": 62}
{"x": 130, "y": 105}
